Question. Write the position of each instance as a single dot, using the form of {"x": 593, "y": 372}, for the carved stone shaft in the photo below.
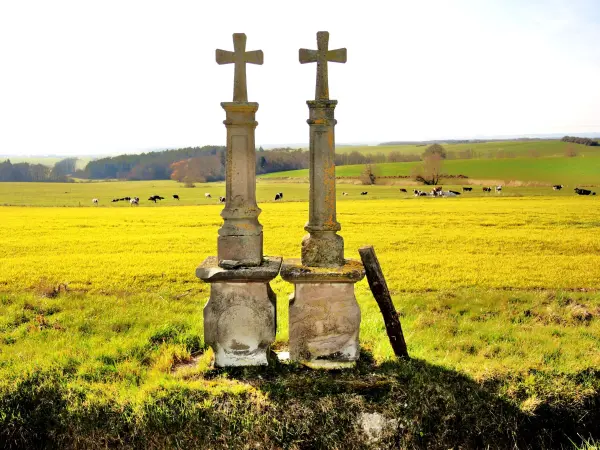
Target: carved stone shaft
{"x": 240, "y": 237}
{"x": 322, "y": 247}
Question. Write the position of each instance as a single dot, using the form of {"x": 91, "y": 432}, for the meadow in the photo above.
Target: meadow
{"x": 576, "y": 171}
{"x": 294, "y": 189}
{"x": 101, "y": 338}
{"x": 523, "y": 149}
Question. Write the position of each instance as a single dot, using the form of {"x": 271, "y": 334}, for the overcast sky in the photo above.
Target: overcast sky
{"x": 96, "y": 77}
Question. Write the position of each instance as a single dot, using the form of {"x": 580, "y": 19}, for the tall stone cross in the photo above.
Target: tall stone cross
{"x": 240, "y": 241}
{"x": 239, "y": 57}
{"x": 321, "y": 56}
{"x": 322, "y": 247}
{"x": 324, "y": 315}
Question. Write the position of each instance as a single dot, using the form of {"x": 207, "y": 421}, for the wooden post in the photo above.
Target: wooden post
{"x": 384, "y": 300}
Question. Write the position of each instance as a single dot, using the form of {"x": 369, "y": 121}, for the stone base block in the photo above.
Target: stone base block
{"x": 240, "y": 316}
{"x": 325, "y": 249}
{"x": 324, "y": 315}
{"x": 246, "y": 250}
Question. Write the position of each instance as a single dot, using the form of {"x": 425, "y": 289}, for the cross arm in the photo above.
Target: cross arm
{"x": 307, "y": 56}
{"x": 224, "y": 57}
{"x": 338, "y": 55}
{"x": 255, "y": 57}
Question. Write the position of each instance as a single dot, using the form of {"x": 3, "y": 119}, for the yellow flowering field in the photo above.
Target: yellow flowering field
{"x": 502, "y": 291}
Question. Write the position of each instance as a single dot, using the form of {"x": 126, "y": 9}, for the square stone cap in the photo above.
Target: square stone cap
{"x": 210, "y": 272}
{"x": 293, "y": 271}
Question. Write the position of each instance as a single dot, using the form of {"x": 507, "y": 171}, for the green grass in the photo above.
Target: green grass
{"x": 552, "y": 170}
{"x": 498, "y": 296}
{"x": 81, "y": 194}
{"x": 487, "y": 149}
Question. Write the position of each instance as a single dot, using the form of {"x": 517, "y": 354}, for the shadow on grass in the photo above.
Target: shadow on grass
{"x": 289, "y": 406}
{"x": 427, "y": 406}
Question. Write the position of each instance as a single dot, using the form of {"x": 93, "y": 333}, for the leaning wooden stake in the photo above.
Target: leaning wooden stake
{"x": 384, "y": 300}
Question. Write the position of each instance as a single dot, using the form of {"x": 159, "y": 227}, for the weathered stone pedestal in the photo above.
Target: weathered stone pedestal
{"x": 240, "y": 317}
{"x": 324, "y": 316}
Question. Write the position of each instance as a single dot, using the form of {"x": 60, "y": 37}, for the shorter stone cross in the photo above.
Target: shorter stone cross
{"x": 239, "y": 57}
{"x": 321, "y": 56}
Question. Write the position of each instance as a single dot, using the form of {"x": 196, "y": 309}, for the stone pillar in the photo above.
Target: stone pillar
{"x": 240, "y": 239}
{"x": 240, "y": 316}
{"x": 322, "y": 247}
{"x": 324, "y": 314}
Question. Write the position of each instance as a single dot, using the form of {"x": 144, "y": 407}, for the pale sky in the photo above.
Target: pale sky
{"x": 103, "y": 77}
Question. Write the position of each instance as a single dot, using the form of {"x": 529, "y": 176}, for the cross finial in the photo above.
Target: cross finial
{"x": 239, "y": 57}
{"x": 321, "y": 56}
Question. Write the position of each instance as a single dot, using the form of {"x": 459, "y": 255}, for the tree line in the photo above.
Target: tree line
{"x": 37, "y": 172}
{"x": 580, "y": 140}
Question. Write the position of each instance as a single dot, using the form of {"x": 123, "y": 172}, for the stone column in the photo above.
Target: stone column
{"x": 324, "y": 314}
{"x": 322, "y": 247}
{"x": 240, "y": 316}
{"x": 240, "y": 239}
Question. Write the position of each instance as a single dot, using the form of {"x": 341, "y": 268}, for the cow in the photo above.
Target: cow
{"x": 487, "y": 189}
{"x": 419, "y": 193}
{"x": 467, "y": 189}
{"x": 207, "y": 195}
{"x": 277, "y": 197}
{"x": 557, "y": 187}
{"x": 454, "y": 192}
{"x": 115, "y": 200}
{"x": 222, "y": 199}
{"x": 280, "y": 195}
{"x": 134, "y": 201}
{"x": 95, "y": 201}
{"x": 176, "y": 197}
{"x": 498, "y": 189}
{"x": 127, "y": 199}
{"x": 344, "y": 193}
{"x": 402, "y": 190}
{"x": 364, "y": 193}
{"x": 155, "y": 197}
{"x": 584, "y": 192}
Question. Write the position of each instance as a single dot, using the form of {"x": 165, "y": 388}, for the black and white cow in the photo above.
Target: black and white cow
{"x": 222, "y": 199}
{"x": 557, "y": 187}
{"x": 487, "y": 189}
{"x": 584, "y": 192}
{"x": 402, "y": 190}
{"x": 364, "y": 193}
{"x": 176, "y": 197}
{"x": 467, "y": 189}
{"x": 95, "y": 201}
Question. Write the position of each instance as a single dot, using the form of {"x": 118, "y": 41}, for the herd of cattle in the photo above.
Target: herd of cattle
{"x": 438, "y": 191}
{"x": 135, "y": 201}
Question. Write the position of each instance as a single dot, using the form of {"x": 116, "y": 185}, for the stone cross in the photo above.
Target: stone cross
{"x": 239, "y": 57}
{"x": 322, "y": 247}
{"x": 321, "y": 56}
